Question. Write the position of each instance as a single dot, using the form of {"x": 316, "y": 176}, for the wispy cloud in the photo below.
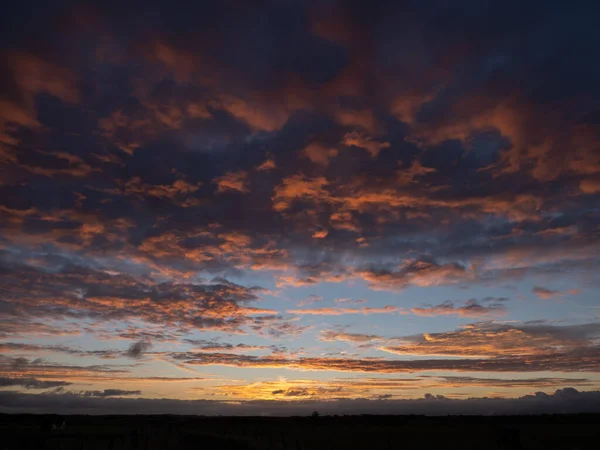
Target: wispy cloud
{"x": 341, "y": 311}
{"x": 545, "y": 293}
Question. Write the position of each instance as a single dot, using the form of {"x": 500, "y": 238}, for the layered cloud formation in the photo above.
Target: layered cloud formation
{"x": 275, "y": 202}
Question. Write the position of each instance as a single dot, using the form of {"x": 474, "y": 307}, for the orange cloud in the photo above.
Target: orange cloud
{"x": 533, "y": 148}
{"x": 32, "y": 75}
{"x": 417, "y": 273}
{"x": 590, "y": 186}
{"x": 374, "y": 388}
{"x": 130, "y": 131}
{"x": 389, "y": 200}
{"x": 234, "y": 248}
{"x": 320, "y": 234}
{"x": 232, "y": 181}
{"x": 319, "y": 154}
{"x": 180, "y": 61}
{"x": 35, "y": 75}
{"x": 363, "y": 118}
{"x": 179, "y": 192}
{"x": 259, "y": 115}
{"x": 356, "y": 139}
{"x": 546, "y": 293}
{"x": 299, "y": 187}
{"x": 489, "y": 339}
{"x": 266, "y": 165}
{"x": 344, "y": 220}
{"x": 355, "y": 338}
{"x": 405, "y": 107}
{"x": 409, "y": 175}
{"x": 560, "y": 362}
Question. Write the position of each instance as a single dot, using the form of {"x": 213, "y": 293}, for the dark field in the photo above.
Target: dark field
{"x": 568, "y": 432}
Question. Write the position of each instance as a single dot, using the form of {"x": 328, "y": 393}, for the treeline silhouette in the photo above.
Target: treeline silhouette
{"x": 80, "y": 432}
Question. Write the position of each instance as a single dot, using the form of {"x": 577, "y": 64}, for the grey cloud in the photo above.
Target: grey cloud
{"x": 109, "y": 393}
{"x": 137, "y": 349}
{"x": 479, "y": 347}
{"x": 562, "y": 401}
{"x": 470, "y": 308}
{"x": 31, "y": 383}
{"x": 39, "y": 366}
{"x": 82, "y": 292}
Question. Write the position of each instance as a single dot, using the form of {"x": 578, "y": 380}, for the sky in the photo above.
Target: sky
{"x": 272, "y": 207}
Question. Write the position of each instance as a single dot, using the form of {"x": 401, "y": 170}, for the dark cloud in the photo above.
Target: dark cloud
{"x": 31, "y": 383}
{"x": 195, "y": 95}
{"x": 277, "y": 327}
{"x": 82, "y": 292}
{"x": 536, "y": 340}
{"x": 566, "y": 400}
{"x": 158, "y": 170}
{"x": 137, "y": 349}
{"x": 41, "y": 368}
{"x": 214, "y": 346}
{"x": 503, "y": 382}
{"x": 471, "y": 308}
{"x": 583, "y": 360}
{"x": 479, "y": 347}
{"x": 109, "y": 393}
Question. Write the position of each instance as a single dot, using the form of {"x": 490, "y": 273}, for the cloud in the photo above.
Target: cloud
{"x": 381, "y": 387}
{"x": 310, "y": 300}
{"x": 566, "y": 400}
{"x": 484, "y": 346}
{"x": 31, "y": 383}
{"x": 99, "y": 295}
{"x": 584, "y": 360}
{"x": 266, "y": 165}
{"x": 358, "y": 140}
{"x": 232, "y": 181}
{"x": 498, "y": 339}
{"x": 509, "y": 382}
{"x": 179, "y": 192}
{"x": 137, "y": 349}
{"x": 76, "y": 166}
{"x": 211, "y": 346}
{"x": 298, "y": 187}
{"x": 545, "y": 293}
{"x": 31, "y": 75}
{"x": 277, "y": 327}
{"x": 150, "y": 180}
{"x": 357, "y": 338}
{"x": 417, "y": 273}
{"x": 471, "y": 308}
{"x": 257, "y": 115}
{"x": 349, "y": 301}
{"x": 14, "y": 347}
{"x": 129, "y": 130}
{"x": 362, "y": 118}
{"x": 109, "y": 393}
{"x": 341, "y": 311}
{"x": 319, "y": 154}
{"x": 590, "y": 186}
{"x": 413, "y": 173}
{"x": 27, "y": 368}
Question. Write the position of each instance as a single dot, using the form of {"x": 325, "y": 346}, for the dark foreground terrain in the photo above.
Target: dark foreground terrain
{"x": 569, "y": 432}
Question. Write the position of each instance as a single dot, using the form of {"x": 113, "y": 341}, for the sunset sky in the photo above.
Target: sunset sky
{"x": 283, "y": 204}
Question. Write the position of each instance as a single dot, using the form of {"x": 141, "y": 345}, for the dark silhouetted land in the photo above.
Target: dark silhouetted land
{"x": 547, "y": 432}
